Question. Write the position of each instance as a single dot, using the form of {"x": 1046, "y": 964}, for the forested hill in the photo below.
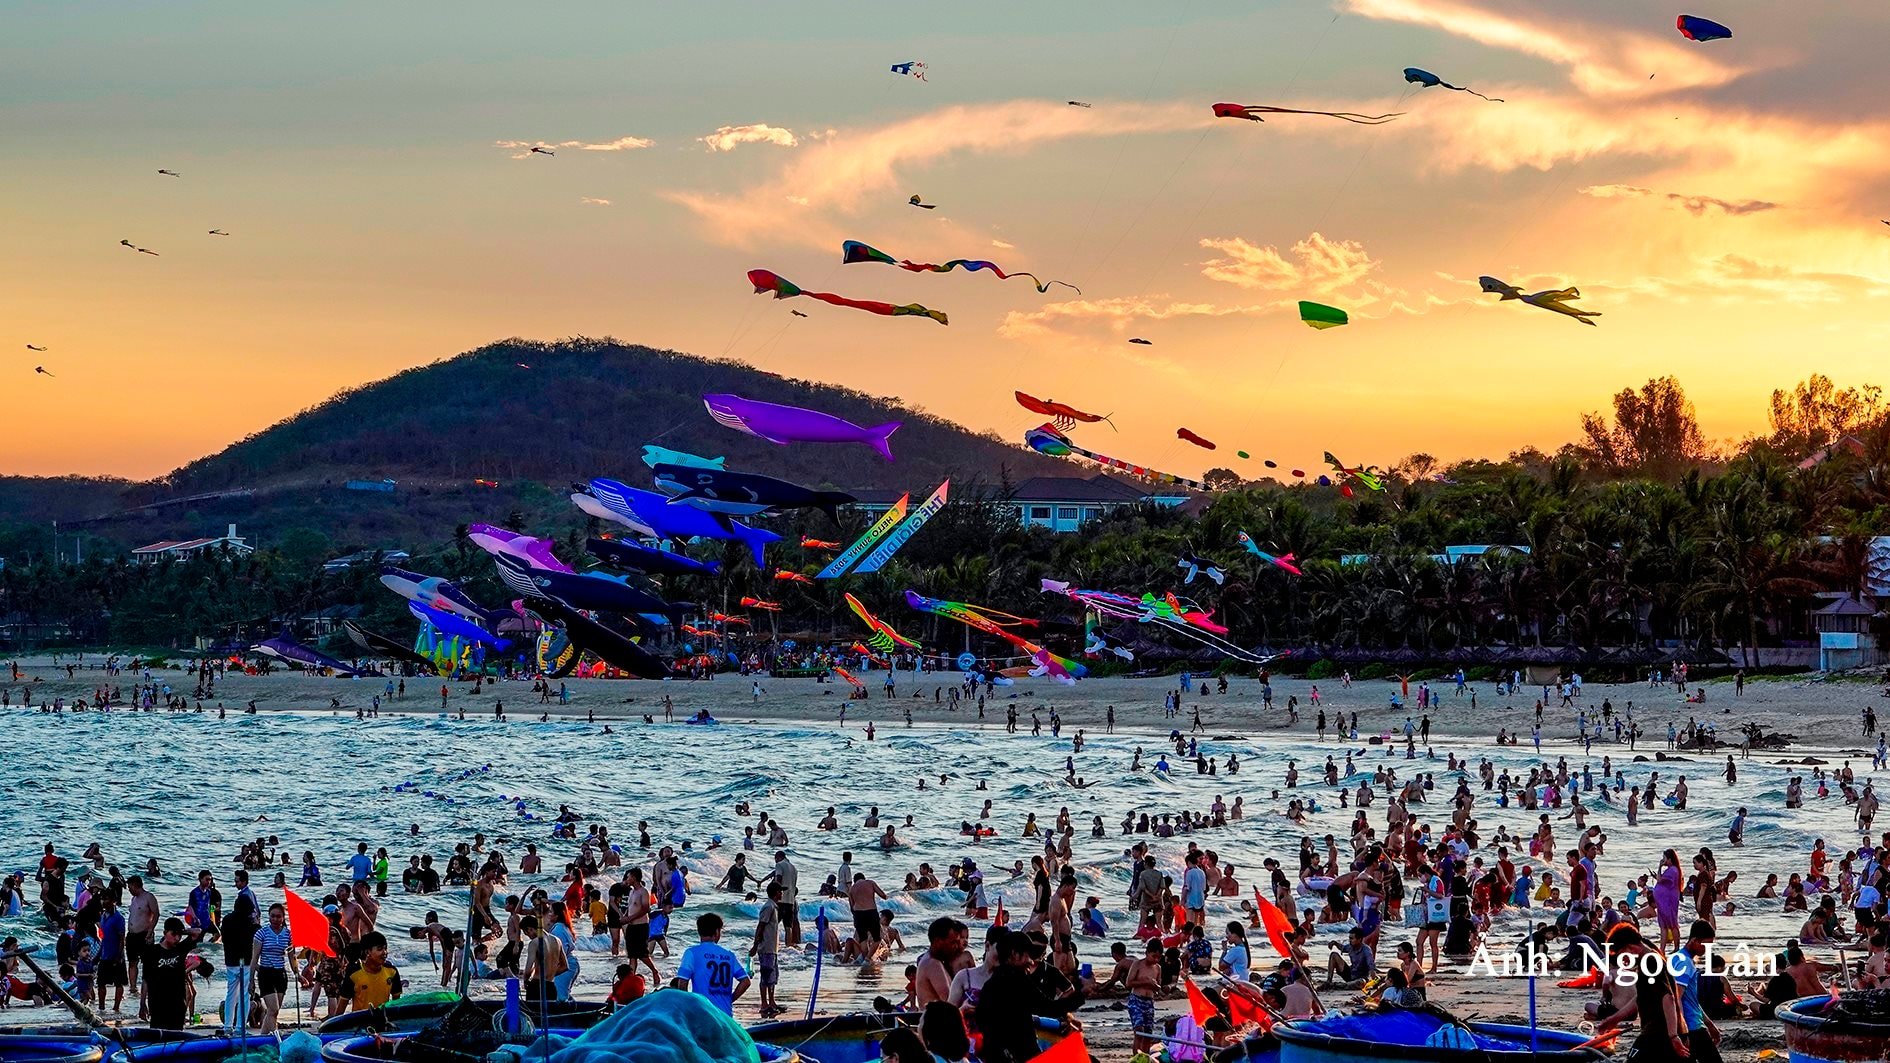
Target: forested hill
{"x": 583, "y": 409}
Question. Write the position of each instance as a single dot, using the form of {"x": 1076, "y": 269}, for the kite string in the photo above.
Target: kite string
{"x": 1122, "y": 147}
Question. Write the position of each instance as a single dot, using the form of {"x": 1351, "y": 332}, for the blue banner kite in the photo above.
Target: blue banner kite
{"x": 866, "y": 540}
{"x": 905, "y": 531}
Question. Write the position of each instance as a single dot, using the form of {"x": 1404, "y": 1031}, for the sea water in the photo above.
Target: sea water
{"x": 190, "y": 789}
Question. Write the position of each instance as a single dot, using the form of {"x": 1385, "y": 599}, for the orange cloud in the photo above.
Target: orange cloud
{"x": 1695, "y": 205}
{"x": 834, "y": 178}
{"x": 1323, "y": 265}
{"x": 730, "y": 137}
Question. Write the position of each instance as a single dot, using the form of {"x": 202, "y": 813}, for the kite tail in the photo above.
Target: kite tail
{"x": 1043, "y": 287}
{"x": 880, "y": 438}
{"x": 1473, "y": 92}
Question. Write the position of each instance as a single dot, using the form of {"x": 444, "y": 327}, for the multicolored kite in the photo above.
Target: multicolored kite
{"x": 1252, "y": 113}
{"x": 997, "y": 623}
{"x": 1321, "y": 316}
{"x": 853, "y": 252}
{"x": 1366, "y": 476}
{"x": 1176, "y": 614}
{"x": 883, "y": 636}
{"x": 1063, "y": 415}
{"x": 1045, "y": 439}
{"x": 912, "y": 68}
{"x": 1431, "y": 81}
{"x": 769, "y": 281}
{"x": 1695, "y": 28}
{"x": 1283, "y": 562}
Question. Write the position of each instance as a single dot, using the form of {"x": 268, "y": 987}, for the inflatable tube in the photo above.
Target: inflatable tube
{"x": 710, "y": 720}
{"x": 27, "y": 1048}
{"x": 412, "y": 1013}
{"x": 197, "y": 1050}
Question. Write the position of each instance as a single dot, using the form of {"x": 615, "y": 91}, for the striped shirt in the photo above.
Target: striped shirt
{"x": 275, "y": 948}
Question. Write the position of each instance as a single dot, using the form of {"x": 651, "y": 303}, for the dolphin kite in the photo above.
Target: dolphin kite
{"x": 664, "y": 521}
{"x": 621, "y": 553}
{"x": 533, "y": 551}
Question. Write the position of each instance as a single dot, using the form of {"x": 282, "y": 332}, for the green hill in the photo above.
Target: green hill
{"x": 584, "y": 408}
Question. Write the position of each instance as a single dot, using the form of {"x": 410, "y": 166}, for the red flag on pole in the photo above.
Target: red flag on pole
{"x": 1199, "y": 1004}
{"x": 1243, "y": 1009}
{"x": 1069, "y": 1050}
{"x": 308, "y": 927}
{"x": 1277, "y": 925}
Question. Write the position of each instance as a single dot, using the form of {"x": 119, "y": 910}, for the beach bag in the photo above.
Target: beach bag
{"x": 1436, "y": 909}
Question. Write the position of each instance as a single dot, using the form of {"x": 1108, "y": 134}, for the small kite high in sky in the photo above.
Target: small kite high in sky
{"x": 1065, "y": 416}
{"x": 797, "y": 313}
{"x": 1430, "y": 81}
{"x": 1252, "y": 113}
{"x": 912, "y": 68}
{"x": 853, "y": 252}
{"x": 1080, "y": 103}
{"x": 41, "y": 369}
{"x": 1695, "y": 28}
{"x": 170, "y": 173}
{"x": 135, "y": 247}
{"x": 1555, "y": 299}
{"x": 769, "y": 281}
{"x": 218, "y": 232}
{"x": 1143, "y": 342}
{"x": 31, "y": 347}
{"x": 1321, "y": 316}
{"x": 535, "y": 150}
{"x": 915, "y": 201}
{"x": 1190, "y": 436}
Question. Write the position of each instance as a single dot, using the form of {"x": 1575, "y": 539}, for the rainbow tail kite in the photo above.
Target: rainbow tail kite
{"x": 883, "y": 637}
{"x": 996, "y": 623}
{"x": 1045, "y": 439}
{"x": 853, "y": 252}
{"x": 770, "y": 281}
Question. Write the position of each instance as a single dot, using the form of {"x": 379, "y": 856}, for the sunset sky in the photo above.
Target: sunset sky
{"x": 1718, "y": 203}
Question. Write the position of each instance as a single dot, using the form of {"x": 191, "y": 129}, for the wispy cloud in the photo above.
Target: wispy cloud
{"x": 1601, "y": 60}
{"x": 593, "y": 201}
{"x": 522, "y": 149}
{"x": 995, "y": 242}
{"x": 848, "y": 167}
{"x": 1318, "y": 265}
{"x": 1118, "y": 313}
{"x": 1695, "y": 205}
{"x": 730, "y": 137}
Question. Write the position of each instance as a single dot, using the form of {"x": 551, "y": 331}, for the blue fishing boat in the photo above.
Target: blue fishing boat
{"x": 853, "y": 1038}
{"x": 34, "y": 1048}
{"x": 1424, "y": 1036}
{"x": 413, "y": 1013}
{"x": 195, "y": 1050}
{"x": 1823, "y": 1030}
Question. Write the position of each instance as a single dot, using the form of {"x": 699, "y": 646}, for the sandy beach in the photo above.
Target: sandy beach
{"x": 1824, "y": 716}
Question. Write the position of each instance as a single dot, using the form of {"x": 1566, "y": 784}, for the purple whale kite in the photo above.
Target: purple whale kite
{"x": 502, "y": 542}
{"x": 792, "y": 424}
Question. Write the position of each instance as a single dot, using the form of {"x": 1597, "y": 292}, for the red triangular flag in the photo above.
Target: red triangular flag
{"x": 308, "y": 927}
{"x": 1199, "y": 1004}
{"x": 1243, "y": 1009}
{"x": 1069, "y": 1050}
{"x": 1276, "y": 924}
{"x": 1001, "y": 918}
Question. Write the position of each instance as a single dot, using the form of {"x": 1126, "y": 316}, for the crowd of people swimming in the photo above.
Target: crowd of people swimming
{"x": 1454, "y": 885}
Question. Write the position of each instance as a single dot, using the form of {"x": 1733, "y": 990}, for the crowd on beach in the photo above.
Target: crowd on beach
{"x": 1415, "y": 859}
